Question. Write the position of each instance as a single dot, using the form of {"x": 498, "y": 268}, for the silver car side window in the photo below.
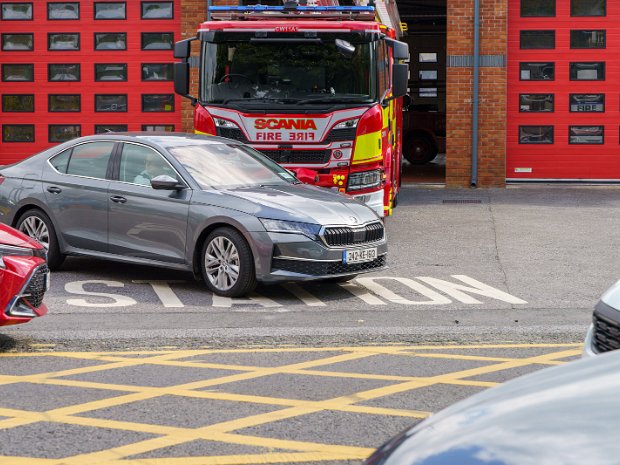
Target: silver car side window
{"x": 90, "y": 159}
{"x": 140, "y": 164}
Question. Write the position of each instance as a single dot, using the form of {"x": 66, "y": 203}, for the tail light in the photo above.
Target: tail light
{"x": 203, "y": 121}
{"x": 371, "y": 121}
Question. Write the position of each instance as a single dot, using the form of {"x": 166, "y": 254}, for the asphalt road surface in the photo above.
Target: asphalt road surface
{"x": 138, "y": 365}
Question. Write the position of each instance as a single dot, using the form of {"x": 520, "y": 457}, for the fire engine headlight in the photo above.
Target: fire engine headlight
{"x": 224, "y": 123}
{"x": 307, "y": 229}
{"x": 8, "y": 250}
{"x": 364, "y": 180}
{"x": 350, "y": 123}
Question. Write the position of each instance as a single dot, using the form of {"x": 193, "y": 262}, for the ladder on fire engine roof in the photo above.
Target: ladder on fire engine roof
{"x": 365, "y": 10}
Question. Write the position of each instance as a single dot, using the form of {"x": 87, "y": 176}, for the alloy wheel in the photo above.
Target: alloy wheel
{"x": 222, "y": 263}
{"x": 37, "y": 229}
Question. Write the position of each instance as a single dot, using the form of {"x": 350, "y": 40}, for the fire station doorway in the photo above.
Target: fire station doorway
{"x": 424, "y": 121}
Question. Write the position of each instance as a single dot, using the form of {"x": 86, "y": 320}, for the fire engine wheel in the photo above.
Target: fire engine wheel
{"x": 227, "y": 263}
{"x": 36, "y": 224}
{"x": 419, "y": 149}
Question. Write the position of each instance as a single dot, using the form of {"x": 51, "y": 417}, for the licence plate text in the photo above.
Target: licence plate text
{"x": 359, "y": 255}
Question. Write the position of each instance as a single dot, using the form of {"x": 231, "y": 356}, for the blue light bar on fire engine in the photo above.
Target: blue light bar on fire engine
{"x": 310, "y": 9}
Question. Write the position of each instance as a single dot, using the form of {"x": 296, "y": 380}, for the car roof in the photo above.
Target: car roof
{"x": 161, "y": 138}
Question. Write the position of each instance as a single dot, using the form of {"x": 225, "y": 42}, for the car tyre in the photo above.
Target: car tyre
{"x": 227, "y": 263}
{"x": 37, "y": 224}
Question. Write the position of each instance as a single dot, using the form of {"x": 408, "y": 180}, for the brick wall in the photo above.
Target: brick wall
{"x": 492, "y": 96}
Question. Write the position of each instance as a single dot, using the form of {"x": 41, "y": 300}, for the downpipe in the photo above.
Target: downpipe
{"x": 475, "y": 94}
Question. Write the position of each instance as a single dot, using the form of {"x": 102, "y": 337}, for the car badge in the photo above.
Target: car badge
{"x": 353, "y": 219}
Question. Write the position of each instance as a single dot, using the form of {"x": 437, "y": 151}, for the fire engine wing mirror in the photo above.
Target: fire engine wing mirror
{"x": 181, "y": 79}
{"x": 183, "y": 48}
{"x": 400, "y": 79}
{"x": 400, "y": 50}
{"x": 346, "y": 49}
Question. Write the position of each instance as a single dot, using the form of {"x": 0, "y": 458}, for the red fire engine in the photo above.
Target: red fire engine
{"x": 317, "y": 88}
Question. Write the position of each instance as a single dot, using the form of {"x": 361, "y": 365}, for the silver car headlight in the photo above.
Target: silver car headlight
{"x": 9, "y": 250}
{"x": 364, "y": 180}
{"x": 310, "y": 230}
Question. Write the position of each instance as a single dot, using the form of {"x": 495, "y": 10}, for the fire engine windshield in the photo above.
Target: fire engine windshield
{"x": 246, "y": 68}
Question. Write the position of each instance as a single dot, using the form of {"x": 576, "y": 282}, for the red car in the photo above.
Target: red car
{"x": 24, "y": 277}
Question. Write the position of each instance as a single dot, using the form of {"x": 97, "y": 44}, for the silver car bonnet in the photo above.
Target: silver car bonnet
{"x": 299, "y": 202}
{"x": 564, "y": 415}
{"x": 611, "y": 296}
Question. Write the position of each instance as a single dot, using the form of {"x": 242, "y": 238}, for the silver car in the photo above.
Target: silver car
{"x": 209, "y": 205}
{"x": 604, "y": 332}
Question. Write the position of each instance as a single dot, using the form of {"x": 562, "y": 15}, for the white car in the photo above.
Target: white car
{"x": 604, "y": 332}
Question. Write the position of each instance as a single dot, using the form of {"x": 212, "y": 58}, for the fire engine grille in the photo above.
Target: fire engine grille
{"x": 232, "y": 133}
{"x": 337, "y": 135}
{"x": 606, "y": 334}
{"x": 325, "y": 268}
{"x": 298, "y": 156}
{"x": 36, "y": 288}
{"x": 345, "y": 235}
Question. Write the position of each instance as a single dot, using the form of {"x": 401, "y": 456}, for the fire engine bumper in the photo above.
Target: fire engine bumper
{"x": 374, "y": 200}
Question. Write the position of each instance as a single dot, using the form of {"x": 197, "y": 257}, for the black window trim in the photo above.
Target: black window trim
{"x": 602, "y": 126}
{"x": 157, "y": 111}
{"x": 49, "y": 67}
{"x": 125, "y": 126}
{"x": 9, "y": 64}
{"x": 536, "y": 48}
{"x": 537, "y": 62}
{"x": 537, "y": 93}
{"x": 50, "y": 34}
{"x": 49, "y": 134}
{"x": 154, "y": 80}
{"x": 110, "y": 80}
{"x": 537, "y": 126}
{"x": 570, "y": 78}
{"x": 570, "y": 95}
{"x": 155, "y": 49}
{"x": 113, "y": 111}
{"x": 570, "y": 39}
{"x": 79, "y": 12}
{"x": 4, "y": 110}
{"x": 17, "y": 34}
{"x": 155, "y": 19}
{"x": 537, "y": 16}
{"x": 34, "y": 134}
{"x": 108, "y": 49}
{"x": 17, "y": 3}
{"x": 586, "y": 16}
{"x": 49, "y": 101}
{"x": 109, "y": 19}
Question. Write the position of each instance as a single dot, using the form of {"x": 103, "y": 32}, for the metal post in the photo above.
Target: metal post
{"x": 475, "y": 91}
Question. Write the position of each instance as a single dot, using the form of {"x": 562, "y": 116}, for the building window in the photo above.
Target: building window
{"x": 427, "y": 75}
{"x": 105, "y": 128}
{"x": 111, "y": 103}
{"x": 158, "y": 127}
{"x": 587, "y": 103}
{"x": 17, "y": 42}
{"x": 21, "y": 72}
{"x": 157, "y": 10}
{"x": 157, "y": 72}
{"x": 587, "y": 39}
{"x": 64, "y": 10}
{"x": 18, "y": 133}
{"x": 63, "y": 132}
{"x": 157, "y": 40}
{"x": 111, "y": 72}
{"x": 537, "y": 40}
{"x": 16, "y": 11}
{"x": 110, "y": 10}
{"x": 588, "y": 7}
{"x": 18, "y": 103}
{"x": 537, "y": 8}
{"x": 537, "y": 71}
{"x": 535, "y": 134}
{"x": 110, "y": 41}
{"x": 58, "y": 103}
{"x": 63, "y": 41}
{"x": 536, "y": 102}
{"x": 63, "y": 72}
{"x": 157, "y": 102}
{"x": 594, "y": 71}
{"x": 586, "y": 135}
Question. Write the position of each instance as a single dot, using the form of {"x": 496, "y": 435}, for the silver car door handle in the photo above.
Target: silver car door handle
{"x": 54, "y": 190}
{"x": 118, "y": 199}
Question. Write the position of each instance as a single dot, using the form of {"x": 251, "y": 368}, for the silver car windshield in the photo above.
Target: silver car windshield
{"x": 223, "y": 166}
